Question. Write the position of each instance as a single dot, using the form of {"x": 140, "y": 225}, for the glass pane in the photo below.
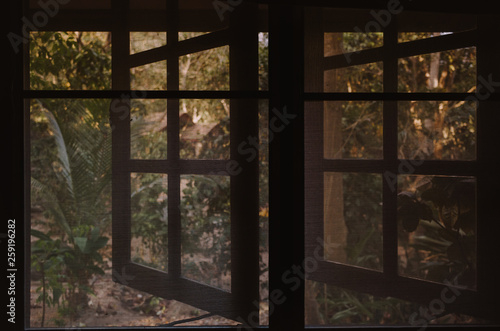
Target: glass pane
{"x": 151, "y": 76}
{"x": 437, "y": 228}
{"x": 148, "y": 129}
{"x": 447, "y": 71}
{"x": 326, "y": 304}
{"x": 204, "y": 129}
{"x": 66, "y": 60}
{"x": 149, "y": 193}
{"x": 70, "y": 208}
{"x": 263, "y": 61}
{"x": 351, "y": 42}
{"x": 264, "y": 210}
{"x": 206, "y": 70}
{"x": 321, "y": 76}
{"x": 439, "y": 130}
{"x": 353, "y": 129}
{"x": 143, "y": 41}
{"x": 206, "y": 229}
{"x": 189, "y": 35}
{"x": 411, "y": 36}
{"x": 360, "y": 78}
{"x": 353, "y": 218}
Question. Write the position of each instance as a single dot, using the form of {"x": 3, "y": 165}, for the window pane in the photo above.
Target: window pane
{"x": 447, "y": 71}
{"x": 331, "y": 305}
{"x": 149, "y": 198}
{"x": 264, "y": 61}
{"x": 342, "y": 76}
{"x": 351, "y": 42}
{"x": 411, "y": 36}
{"x": 143, "y": 41}
{"x": 359, "y": 78}
{"x": 264, "y": 210}
{"x": 353, "y": 218}
{"x": 151, "y": 76}
{"x": 206, "y": 70}
{"x": 148, "y": 129}
{"x": 70, "y": 197}
{"x": 204, "y": 129}
{"x": 440, "y": 130}
{"x": 189, "y": 35}
{"x": 353, "y": 129}
{"x": 437, "y": 228}
{"x": 67, "y": 60}
{"x": 206, "y": 229}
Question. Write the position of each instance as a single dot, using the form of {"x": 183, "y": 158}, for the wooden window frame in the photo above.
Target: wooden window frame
{"x": 389, "y": 282}
{"x": 287, "y": 150}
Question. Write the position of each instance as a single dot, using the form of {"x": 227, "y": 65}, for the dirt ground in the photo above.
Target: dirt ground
{"x": 114, "y": 304}
{"x": 117, "y": 305}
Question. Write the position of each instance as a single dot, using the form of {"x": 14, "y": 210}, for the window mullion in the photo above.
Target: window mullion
{"x": 173, "y": 146}
{"x": 120, "y": 124}
{"x": 390, "y": 125}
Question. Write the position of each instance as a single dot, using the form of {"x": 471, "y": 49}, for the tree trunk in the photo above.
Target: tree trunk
{"x": 334, "y": 225}
{"x": 318, "y": 45}
{"x": 434, "y": 71}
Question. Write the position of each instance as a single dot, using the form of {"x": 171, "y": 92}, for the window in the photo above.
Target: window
{"x": 192, "y": 161}
{"x": 381, "y": 132}
{"x": 393, "y": 175}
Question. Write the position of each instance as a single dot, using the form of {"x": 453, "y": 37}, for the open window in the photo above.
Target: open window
{"x": 195, "y": 159}
{"x": 182, "y": 90}
{"x": 393, "y": 119}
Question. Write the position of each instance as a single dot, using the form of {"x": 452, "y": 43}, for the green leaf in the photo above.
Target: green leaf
{"x": 40, "y": 235}
{"x": 81, "y": 243}
{"x": 97, "y": 244}
{"x": 56, "y": 294}
{"x": 94, "y": 235}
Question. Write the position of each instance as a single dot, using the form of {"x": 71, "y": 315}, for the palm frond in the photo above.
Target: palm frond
{"x": 41, "y": 193}
{"x": 61, "y": 149}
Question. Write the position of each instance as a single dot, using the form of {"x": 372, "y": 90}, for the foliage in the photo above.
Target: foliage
{"x": 71, "y": 164}
{"x": 363, "y": 218}
{"x": 441, "y": 212}
{"x": 436, "y": 214}
{"x": 48, "y": 258}
{"x": 345, "y": 307}
{"x": 149, "y": 218}
{"x": 205, "y": 215}
{"x": 76, "y": 200}
{"x": 70, "y": 60}
{"x": 70, "y": 159}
